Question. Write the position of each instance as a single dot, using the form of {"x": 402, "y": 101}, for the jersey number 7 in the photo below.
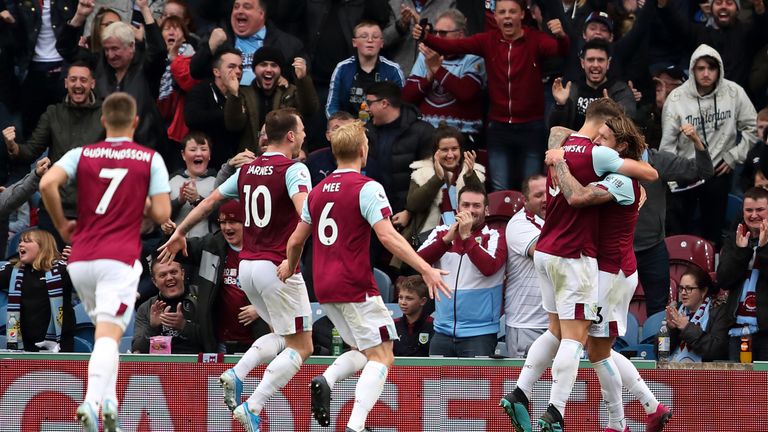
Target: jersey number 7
{"x": 115, "y": 176}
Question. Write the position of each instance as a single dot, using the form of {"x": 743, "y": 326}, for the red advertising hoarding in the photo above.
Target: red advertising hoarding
{"x": 431, "y": 395}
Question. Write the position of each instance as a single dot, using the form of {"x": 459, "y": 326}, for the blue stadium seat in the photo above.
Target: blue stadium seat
{"x": 385, "y": 285}
{"x": 651, "y": 327}
{"x": 85, "y": 333}
{"x": 125, "y": 344}
{"x": 81, "y": 316}
{"x": 129, "y": 329}
{"x": 394, "y": 310}
{"x": 82, "y": 345}
{"x": 317, "y": 311}
{"x": 733, "y": 209}
{"x": 3, "y": 341}
{"x": 3, "y": 310}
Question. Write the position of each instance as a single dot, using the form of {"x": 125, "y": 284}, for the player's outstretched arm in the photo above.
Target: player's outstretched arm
{"x": 54, "y": 179}
{"x": 178, "y": 242}
{"x": 293, "y": 250}
{"x": 399, "y": 247}
{"x": 639, "y": 170}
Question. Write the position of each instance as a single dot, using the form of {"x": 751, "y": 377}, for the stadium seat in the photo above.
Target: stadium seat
{"x": 384, "y": 283}
{"x": 482, "y": 159}
{"x": 685, "y": 250}
{"x": 632, "y": 335}
{"x": 126, "y": 342}
{"x": 504, "y": 204}
{"x": 3, "y": 310}
{"x": 3, "y": 341}
{"x": 317, "y": 311}
{"x": 81, "y": 316}
{"x": 85, "y": 333}
{"x": 82, "y": 345}
{"x": 394, "y": 310}
{"x": 129, "y": 328}
{"x": 651, "y": 327}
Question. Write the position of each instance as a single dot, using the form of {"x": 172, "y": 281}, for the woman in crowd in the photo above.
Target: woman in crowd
{"x": 40, "y": 316}
{"x": 436, "y": 182}
{"x": 699, "y": 327}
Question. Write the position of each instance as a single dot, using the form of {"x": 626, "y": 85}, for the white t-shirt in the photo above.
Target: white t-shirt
{"x": 522, "y": 296}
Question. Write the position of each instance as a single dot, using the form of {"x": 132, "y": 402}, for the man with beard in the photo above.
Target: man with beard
{"x": 248, "y": 31}
{"x": 247, "y": 105}
{"x": 64, "y": 126}
{"x": 172, "y": 312}
{"x": 572, "y": 100}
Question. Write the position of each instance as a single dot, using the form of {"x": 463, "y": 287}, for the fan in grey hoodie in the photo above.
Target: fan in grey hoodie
{"x": 724, "y": 118}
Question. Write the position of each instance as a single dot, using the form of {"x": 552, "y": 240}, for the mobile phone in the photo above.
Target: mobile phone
{"x": 137, "y": 19}
{"x": 425, "y": 28}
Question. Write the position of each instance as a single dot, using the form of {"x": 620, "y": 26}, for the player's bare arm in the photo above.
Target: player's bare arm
{"x": 399, "y": 247}
{"x": 575, "y": 193}
{"x": 293, "y": 250}
{"x": 178, "y": 242}
{"x": 638, "y": 170}
{"x": 52, "y": 180}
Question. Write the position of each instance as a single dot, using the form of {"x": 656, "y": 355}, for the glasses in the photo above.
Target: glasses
{"x": 370, "y": 102}
{"x": 687, "y": 288}
{"x": 369, "y": 37}
{"x": 443, "y": 33}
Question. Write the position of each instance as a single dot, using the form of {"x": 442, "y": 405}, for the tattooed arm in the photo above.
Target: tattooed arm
{"x": 576, "y": 194}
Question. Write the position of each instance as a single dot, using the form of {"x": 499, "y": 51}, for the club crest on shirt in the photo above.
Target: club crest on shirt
{"x": 303, "y": 175}
{"x": 381, "y": 196}
{"x": 423, "y": 338}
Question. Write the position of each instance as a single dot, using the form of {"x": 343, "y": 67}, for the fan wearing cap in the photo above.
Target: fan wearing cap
{"x": 736, "y": 42}
{"x": 215, "y": 258}
{"x": 572, "y": 100}
{"x": 247, "y": 105}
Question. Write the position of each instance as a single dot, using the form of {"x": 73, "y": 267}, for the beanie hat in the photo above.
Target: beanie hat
{"x": 231, "y": 211}
{"x": 267, "y": 53}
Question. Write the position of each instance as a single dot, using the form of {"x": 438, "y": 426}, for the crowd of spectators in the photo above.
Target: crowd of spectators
{"x": 458, "y": 96}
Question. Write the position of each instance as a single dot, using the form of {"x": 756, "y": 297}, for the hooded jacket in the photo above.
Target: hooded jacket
{"x": 719, "y": 117}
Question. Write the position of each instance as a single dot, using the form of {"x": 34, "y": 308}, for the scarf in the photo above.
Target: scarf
{"x": 449, "y": 199}
{"x": 700, "y": 318}
{"x": 54, "y": 286}
{"x": 746, "y": 314}
{"x": 166, "y": 81}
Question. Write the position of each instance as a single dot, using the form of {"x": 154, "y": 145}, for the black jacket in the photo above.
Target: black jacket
{"x": 734, "y": 270}
{"x": 572, "y": 114}
{"x": 187, "y": 341}
{"x": 208, "y": 254}
{"x": 29, "y": 20}
{"x": 142, "y": 81}
{"x": 414, "y": 339}
{"x": 411, "y": 141}
{"x": 204, "y": 112}
{"x": 201, "y": 64}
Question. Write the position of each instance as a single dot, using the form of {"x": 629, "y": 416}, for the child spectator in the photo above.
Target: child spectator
{"x": 415, "y": 326}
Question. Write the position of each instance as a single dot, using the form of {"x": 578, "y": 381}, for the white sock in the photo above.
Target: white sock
{"x": 565, "y": 368}
{"x": 263, "y": 350}
{"x": 610, "y": 383}
{"x": 369, "y": 388}
{"x": 276, "y": 376}
{"x": 634, "y": 383}
{"x": 111, "y": 390}
{"x": 540, "y": 356}
{"x": 102, "y": 368}
{"x": 344, "y": 366}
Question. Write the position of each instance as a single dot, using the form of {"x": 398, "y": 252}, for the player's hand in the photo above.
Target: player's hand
{"x": 217, "y": 37}
{"x": 643, "y": 198}
{"x": 247, "y": 315}
{"x": 176, "y": 243}
{"x": 284, "y": 271}
{"x": 401, "y": 219}
{"x": 636, "y": 94}
{"x": 434, "y": 279}
{"x": 465, "y": 220}
{"x": 48, "y": 346}
{"x": 41, "y": 167}
{"x": 560, "y": 93}
{"x": 241, "y": 159}
{"x": 155, "y": 310}
{"x": 742, "y": 236}
{"x": 173, "y": 319}
{"x": 168, "y": 227}
{"x": 553, "y": 156}
{"x": 299, "y": 67}
{"x": 67, "y": 230}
